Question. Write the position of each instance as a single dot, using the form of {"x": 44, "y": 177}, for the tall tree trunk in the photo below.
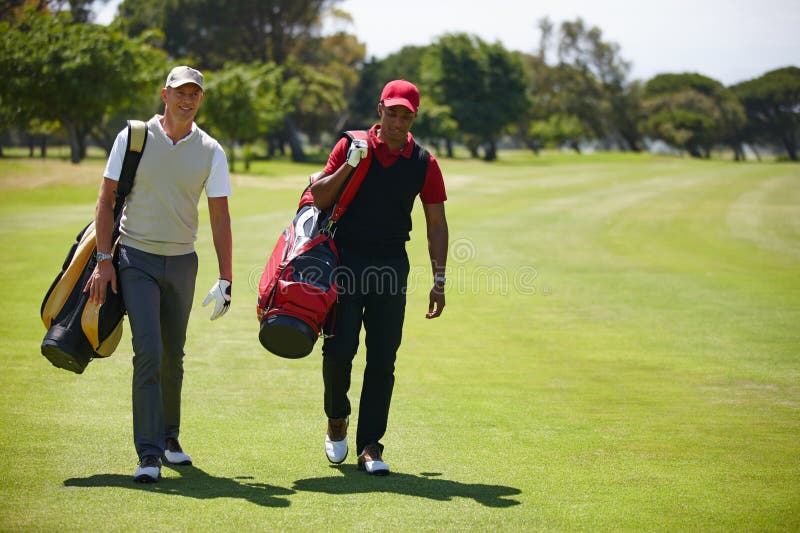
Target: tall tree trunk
{"x": 74, "y": 141}
{"x": 755, "y": 151}
{"x": 232, "y": 156}
{"x": 298, "y": 156}
{"x": 694, "y": 151}
{"x": 633, "y": 143}
{"x": 102, "y": 139}
{"x": 791, "y": 146}
{"x": 449, "y": 145}
{"x": 491, "y": 151}
{"x": 531, "y": 145}
{"x": 738, "y": 152}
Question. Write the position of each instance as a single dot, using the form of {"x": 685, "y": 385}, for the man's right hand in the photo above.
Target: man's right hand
{"x": 357, "y": 151}
{"x": 103, "y": 273}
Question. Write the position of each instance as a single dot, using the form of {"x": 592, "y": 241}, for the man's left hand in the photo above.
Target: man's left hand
{"x": 220, "y": 294}
{"x": 436, "y": 305}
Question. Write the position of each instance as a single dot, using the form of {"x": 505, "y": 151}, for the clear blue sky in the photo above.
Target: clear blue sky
{"x": 728, "y": 40}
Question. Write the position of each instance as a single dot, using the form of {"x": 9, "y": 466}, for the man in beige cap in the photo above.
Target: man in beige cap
{"x": 157, "y": 259}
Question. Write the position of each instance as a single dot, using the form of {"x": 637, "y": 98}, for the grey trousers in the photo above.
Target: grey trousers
{"x": 158, "y": 292}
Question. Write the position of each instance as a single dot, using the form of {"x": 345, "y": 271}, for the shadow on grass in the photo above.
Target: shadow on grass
{"x": 194, "y": 483}
{"x": 424, "y": 486}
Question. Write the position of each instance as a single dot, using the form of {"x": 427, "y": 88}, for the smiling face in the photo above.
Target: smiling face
{"x": 396, "y": 122}
{"x": 182, "y": 103}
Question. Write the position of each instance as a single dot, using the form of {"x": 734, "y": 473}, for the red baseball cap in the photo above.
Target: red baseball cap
{"x": 401, "y": 92}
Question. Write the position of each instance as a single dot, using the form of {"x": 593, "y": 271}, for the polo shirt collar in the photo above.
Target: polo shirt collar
{"x": 378, "y": 144}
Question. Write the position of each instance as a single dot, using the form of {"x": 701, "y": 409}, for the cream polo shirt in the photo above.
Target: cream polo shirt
{"x": 160, "y": 214}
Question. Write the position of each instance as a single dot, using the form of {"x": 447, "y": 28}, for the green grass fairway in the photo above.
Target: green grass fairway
{"x": 620, "y": 351}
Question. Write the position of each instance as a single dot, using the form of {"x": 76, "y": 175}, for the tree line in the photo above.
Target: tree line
{"x": 275, "y": 80}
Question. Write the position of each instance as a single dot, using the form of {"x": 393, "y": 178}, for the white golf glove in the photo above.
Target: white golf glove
{"x": 357, "y": 150}
{"x": 220, "y": 293}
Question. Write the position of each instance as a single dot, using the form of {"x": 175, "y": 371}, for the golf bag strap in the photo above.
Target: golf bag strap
{"x": 137, "y": 139}
{"x": 355, "y": 179}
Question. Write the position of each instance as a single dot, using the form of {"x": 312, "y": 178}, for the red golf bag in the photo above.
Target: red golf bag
{"x": 298, "y": 286}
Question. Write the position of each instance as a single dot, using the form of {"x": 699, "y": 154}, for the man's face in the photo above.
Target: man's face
{"x": 396, "y": 122}
{"x": 184, "y": 101}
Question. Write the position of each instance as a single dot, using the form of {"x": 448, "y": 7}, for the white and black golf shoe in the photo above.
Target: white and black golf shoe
{"x": 149, "y": 470}
{"x": 336, "y": 440}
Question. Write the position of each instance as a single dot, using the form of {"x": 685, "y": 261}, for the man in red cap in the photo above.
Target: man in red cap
{"x": 371, "y": 237}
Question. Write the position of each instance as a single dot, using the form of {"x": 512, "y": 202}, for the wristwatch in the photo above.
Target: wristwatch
{"x": 439, "y": 279}
{"x": 100, "y": 257}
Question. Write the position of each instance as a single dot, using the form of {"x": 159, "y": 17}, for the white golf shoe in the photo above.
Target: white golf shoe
{"x": 149, "y": 470}
{"x": 371, "y": 461}
{"x": 174, "y": 454}
{"x": 336, "y": 440}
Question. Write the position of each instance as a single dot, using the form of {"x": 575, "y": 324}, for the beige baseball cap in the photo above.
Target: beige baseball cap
{"x": 183, "y": 75}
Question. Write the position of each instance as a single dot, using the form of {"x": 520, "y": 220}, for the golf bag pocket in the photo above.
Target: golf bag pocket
{"x": 79, "y": 330}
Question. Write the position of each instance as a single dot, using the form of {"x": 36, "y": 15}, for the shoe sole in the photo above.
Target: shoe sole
{"x": 146, "y": 479}
{"x": 374, "y": 472}
{"x": 183, "y": 463}
{"x": 336, "y": 462}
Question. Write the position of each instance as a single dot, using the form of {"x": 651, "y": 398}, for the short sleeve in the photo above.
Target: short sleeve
{"x": 337, "y": 156}
{"x": 219, "y": 179}
{"x": 433, "y": 191}
{"x": 113, "y": 168}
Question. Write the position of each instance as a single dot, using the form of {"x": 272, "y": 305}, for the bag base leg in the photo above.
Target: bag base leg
{"x": 287, "y": 337}
{"x": 62, "y": 359}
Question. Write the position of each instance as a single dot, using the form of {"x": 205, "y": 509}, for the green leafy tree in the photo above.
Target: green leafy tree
{"x": 330, "y": 72}
{"x": 317, "y": 101}
{"x": 772, "y": 105}
{"x": 405, "y": 64}
{"x": 78, "y": 10}
{"x": 210, "y": 33}
{"x": 557, "y": 130}
{"x": 242, "y": 103}
{"x": 588, "y": 83}
{"x": 692, "y": 112}
{"x": 483, "y": 84}
{"x": 434, "y": 122}
{"x": 72, "y": 73}
{"x": 12, "y": 11}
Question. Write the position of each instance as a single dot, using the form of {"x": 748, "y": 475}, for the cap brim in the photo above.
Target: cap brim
{"x": 389, "y": 102}
{"x": 179, "y": 83}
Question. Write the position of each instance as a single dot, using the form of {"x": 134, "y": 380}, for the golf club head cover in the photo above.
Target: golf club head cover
{"x": 220, "y": 294}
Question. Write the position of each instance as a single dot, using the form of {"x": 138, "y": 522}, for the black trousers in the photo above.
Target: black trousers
{"x": 372, "y": 291}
